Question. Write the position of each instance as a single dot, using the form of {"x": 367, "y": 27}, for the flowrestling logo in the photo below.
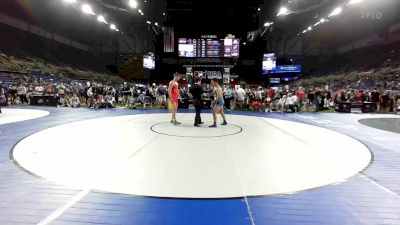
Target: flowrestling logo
{"x": 371, "y": 15}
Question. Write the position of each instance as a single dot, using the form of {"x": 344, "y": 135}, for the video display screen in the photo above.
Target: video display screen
{"x": 149, "y": 62}
{"x": 268, "y": 63}
{"x": 209, "y": 48}
{"x": 275, "y": 80}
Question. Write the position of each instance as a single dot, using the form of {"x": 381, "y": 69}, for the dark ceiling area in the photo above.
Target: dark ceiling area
{"x": 197, "y": 17}
{"x": 220, "y": 17}
{"x": 211, "y": 16}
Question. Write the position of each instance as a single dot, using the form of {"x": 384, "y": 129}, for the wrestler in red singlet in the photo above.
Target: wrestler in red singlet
{"x": 175, "y": 93}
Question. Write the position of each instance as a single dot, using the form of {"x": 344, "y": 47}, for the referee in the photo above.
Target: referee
{"x": 197, "y": 91}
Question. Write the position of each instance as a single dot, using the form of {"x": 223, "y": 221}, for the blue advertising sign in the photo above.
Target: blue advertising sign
{"x": 287, "y": 69}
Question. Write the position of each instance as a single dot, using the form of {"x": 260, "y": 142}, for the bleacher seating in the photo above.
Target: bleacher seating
{"x": 9, "y": 79}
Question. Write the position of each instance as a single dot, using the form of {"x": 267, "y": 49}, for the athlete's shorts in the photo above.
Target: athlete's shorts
{"x": 221, "y": 103}
{"x": 162, "y": 98}
{"x": 172, "y": 104}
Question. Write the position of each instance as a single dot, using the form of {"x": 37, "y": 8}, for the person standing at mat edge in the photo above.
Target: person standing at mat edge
{"x": 3, "y": 98}
{"x": 218, "y": 103}
{"x": 173, "y": 93}
{"x": 197, "y": 92}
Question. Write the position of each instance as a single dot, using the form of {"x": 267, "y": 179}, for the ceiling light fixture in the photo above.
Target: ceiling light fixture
{"x": 102, "y": 19}
{"x": 283, "y": 11}
{"x": 133, "y": 4}
{"x": 70, "y": 1}
{"x": 352, "y": 2}
{"x": 87, "y": 9}
{"x": 336, "y": 11}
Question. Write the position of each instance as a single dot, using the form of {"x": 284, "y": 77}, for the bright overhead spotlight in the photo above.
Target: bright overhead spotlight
{"x": 309, "y": 28}
{"x": 352, "y": 2}
{"x": 335, "y": 12}
{"x": 156, "y": 24}
{"x": 267, "y": 24}
{"x": 148, "y": 22}
{"x": 70, "y": 1}
{"x": 133, "y": 4}
{"x": 164, "y": 14}
{"x": 283, "y": 11}
{"x": 304, "y": 31}
{"x": 259, "y": 9}
{"x": 87, "y": 9}
{"x": 140, "y": 11}
{"x": 323, "y": 20}
{"x": 316, "y": 24}
{"x": 101, "y": 19}
{"x": 113, "y": 27}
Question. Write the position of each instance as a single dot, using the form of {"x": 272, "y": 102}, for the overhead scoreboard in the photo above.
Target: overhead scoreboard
{"x": 209, "y": 48}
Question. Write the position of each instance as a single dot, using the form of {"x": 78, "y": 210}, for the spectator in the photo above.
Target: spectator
{"x": 281, "y": 103}
{"x": 39, "y": 90}
{"x": 21, "y": 92}
{"x": 256, "y": 104}
{"x": 161, "y": 93}
{"x": 240, "y": 97}
{"x": 227, "y": 97}
{"x": 140, "y": 100}
{"x": 392, "y": 102}
{"x": 375, "y": 97}
{"x": 127, "y": 94}
{"x": 397, "y": 103}
{"x": 3, "y": 99}
{"x": 290, "y": 103}
{"x": 300, "y": 97}
{"x": 75, "y": 101}
{"x": 267, "y": 104}
{"x": 310, "y": 98}
{"x": 385, "y": 102}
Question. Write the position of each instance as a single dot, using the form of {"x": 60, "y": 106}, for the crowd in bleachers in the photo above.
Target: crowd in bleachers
{"x": 19, "y": 89}
{"x": 379, "y": 86}
{"x": 315, "y": 99}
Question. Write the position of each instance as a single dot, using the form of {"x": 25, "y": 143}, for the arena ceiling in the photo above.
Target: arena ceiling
{"x": 210, "y": 17}
{"x": 68, "y": 20}
{"x": 239, "y": 17}
{"x": 355, "y": 22}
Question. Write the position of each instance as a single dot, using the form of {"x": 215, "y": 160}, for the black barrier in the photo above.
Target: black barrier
{"x": 344, "y": 107}
{"x": 43, "y": 101}
{"x": 367, "y": 107}
{"x": 206, "y": 104}
{"x": 183, "y": 104}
